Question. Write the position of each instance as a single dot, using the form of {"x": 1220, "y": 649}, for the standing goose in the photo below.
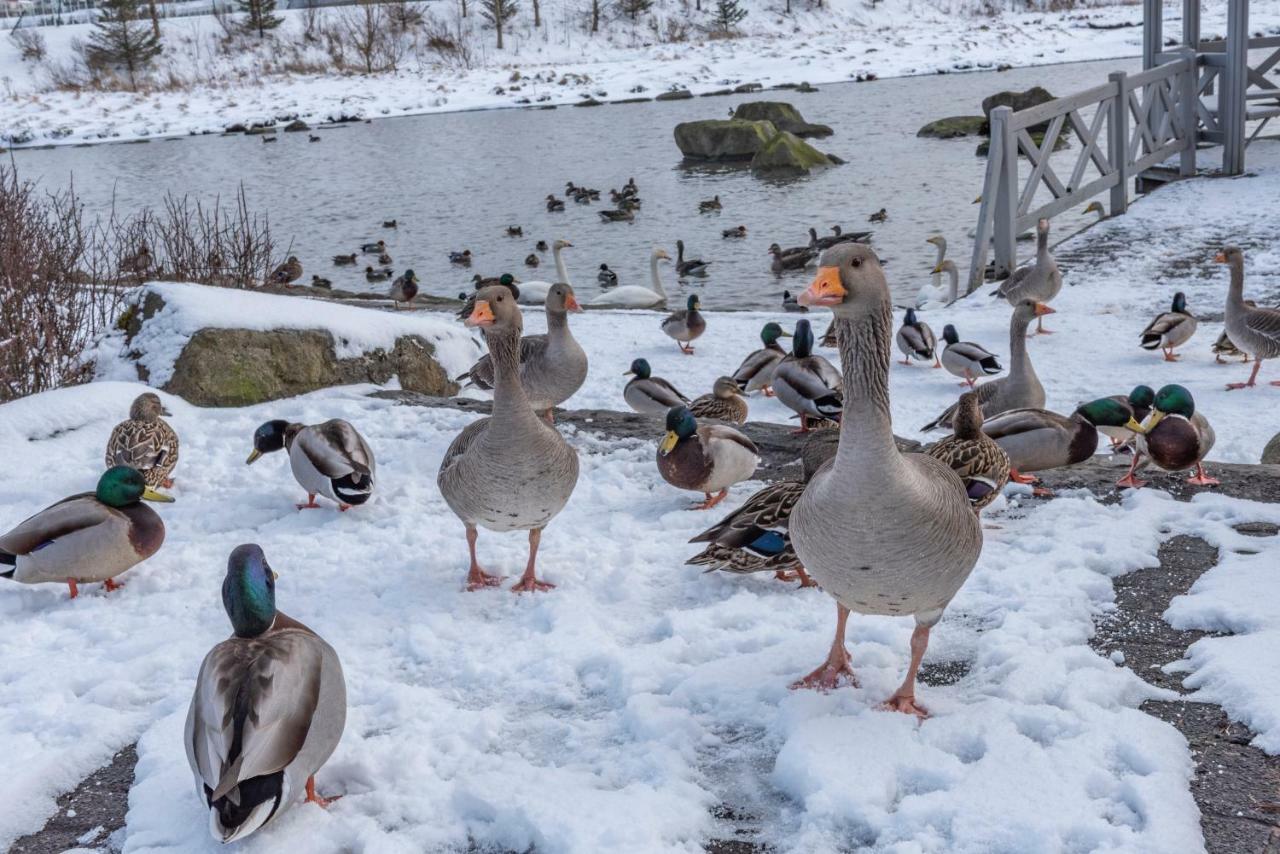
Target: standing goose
{"x": 965, "y": 359}
{"x": 1175, "y": 436}
{"x": 145, "y": 442}
{"x": 982, "y": 465}
{"x": 269, "y": 707}
{"x": 684, "y": 325}
{"x": 330, "y": 459}
{"x": 725, "y": 403}
{"x": 756, "y": 371}
{"x": 634, "y": 296}
{"x": 404, "y": 288}
{"x": 692, "y": 267}
{"x": 535, "y": 292}
{"x": 1253, "y": 330}
{"x": 1039, "y": 281}
{"x": 707, "y": 459}
{"x": 650, "y": 395}
{"x": 1170, "y": 329}
{"x": 807, "y": 384}
{"x": 510, "y": 471}
{"x": 816, "y": 242}
{"x": 881, "y": 531}
{"x": 1021, "y": 389}
{"x": 916, "y": 340}
{"x": 552, "y": 366}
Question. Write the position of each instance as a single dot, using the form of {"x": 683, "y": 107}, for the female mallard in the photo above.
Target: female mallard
{"x": 1039, "y": 281}
{"x": 708, "y": 205}
{"x": 725, "y": 403}
{"x": 807, "y": 384}
{"x": 554, "y": 204}
{"x": 510, "y": 471}
{"x": 689, "y": 266}
{"x": 707, "y": 459}
{"x": 330, "y": 459}
{"x": 916, "y": 340}
{"x": 90, "y": 537}
{"x": 1253, "y": 330}
{"x": 881, "y": 215}
{"x": 982, "y": 464}
{"x": 965, "y": 359}
{"x": 880, "y": 531}
{"x": 404, "y": 288}
{"x": 756, "y": 371}
{"x": 1139, "y": 403}
{"x": 287, "y": 273}
{"x": 1175, "y": 436}
{"x": 145, "y": 442}
{"x": 1170, "y": 329}
{"x": 648, "y": 394}
{"x": 1224, "y": 346}
{"x": 268, "y": 710}
{"x": 344, "y": 260}
{"x": 685, "y": 324}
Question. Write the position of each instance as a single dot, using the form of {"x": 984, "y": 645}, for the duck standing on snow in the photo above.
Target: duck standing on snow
{"x": 982, "y": 465}
{"x": 606, "y": 277}
{"x": 145, "y": 442}
{"x": 650, "y": 395}
{"x": 1175, "y": 437}
{"x": 1039, "y": 281}
{"x": 690, "y": 267}
{"x": 756, "y": 371}
{"x": 1170, "y": 329}
{"x": 510, "y": 471}
{"x": 965, "y": 359}
{"x": 269, "y": 707}
{"x": 86, "y": 538}
{"x": 725, "y": 403}
{"x": 707, "y": 459}
{"x": 404, "y": 288}
{"x": 807, "y": 384}
{"x": 916, "y": 340}
{"x": 330, "y": 459}
{"x": 684, "y": 325}
{"x": 880, "y": 531}
{"x": 1253, "y": 330}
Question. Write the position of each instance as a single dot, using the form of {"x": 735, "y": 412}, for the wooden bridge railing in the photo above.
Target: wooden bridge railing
{"x": 1138, "y": 121}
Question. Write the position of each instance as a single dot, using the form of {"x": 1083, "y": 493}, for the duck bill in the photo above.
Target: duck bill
{"x": 1135, "y": 426}
{"x": 669, "y": 441}
{"x": 937, "y": 269}
{"x": 165, "y": 411}
{"x": 571, "y": 303}
{"x": 253, "y": 457}
{"x": 784, "y": 335}
{"x": 481, "y": 315}
{"x": 1042, "y": 309}
{"x": 1152, "y": 420}
{"x": 150, "y": 494}
{"x": 826, "y": 289}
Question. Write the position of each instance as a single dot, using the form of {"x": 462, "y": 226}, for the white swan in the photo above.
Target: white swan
{"x": 535, "y": 292}
{"x": 634, "y": 296}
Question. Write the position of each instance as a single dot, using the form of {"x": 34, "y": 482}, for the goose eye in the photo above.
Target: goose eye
{"x": 857, "y": 262}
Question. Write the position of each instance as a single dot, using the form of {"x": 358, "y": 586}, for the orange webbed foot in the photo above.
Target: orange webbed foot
{"x": 906, "y": 704}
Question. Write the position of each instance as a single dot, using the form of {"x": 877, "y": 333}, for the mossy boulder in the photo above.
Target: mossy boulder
{"x": 953, "y": 127}
{"x": 783, "y": 116}
{"x": 1032, "y": 97}
{"x": 1271, "y": 453}
{"x": 723, "y": 139}
{"x": 788, "y": 154}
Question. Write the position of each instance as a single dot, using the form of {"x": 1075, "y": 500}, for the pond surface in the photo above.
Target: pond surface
{"x": 455, "y": 181}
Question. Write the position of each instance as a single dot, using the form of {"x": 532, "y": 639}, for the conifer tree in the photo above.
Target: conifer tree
{"x": 121, "y": 38}
{"x": 727, "y": 15}
{"x": 259, "y": 16}
{"x": 499, "y": 12}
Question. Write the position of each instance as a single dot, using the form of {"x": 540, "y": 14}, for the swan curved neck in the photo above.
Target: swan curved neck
{"x": 942, "y": 251}
{"x": 657, "y": 280}
{"x": 561, "y": 273}
{"x": 954, "y": 275}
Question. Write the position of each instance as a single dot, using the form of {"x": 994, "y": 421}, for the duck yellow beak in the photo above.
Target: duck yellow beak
{"x": 669, "y": 441}
{"x": 481, "y": 315}
{"x": 253, "y": 457}
{"x": 826, "y": 289}
{"x": 784, "y": 334}
{"x": 150, "y": 494}
{"x": 1153, "y": 419}
{"x": 1134, "y": 425}
{"x": 275, "y": 576}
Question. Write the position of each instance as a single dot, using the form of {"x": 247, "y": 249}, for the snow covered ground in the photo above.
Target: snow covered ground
{"x": 616, "y": 712}
{"x": 203, "y": 85}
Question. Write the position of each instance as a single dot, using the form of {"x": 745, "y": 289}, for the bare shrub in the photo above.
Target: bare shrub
{"x": 366, "y": 29}
{"x": 675, "y": 31}
{"x": 30, "y": 44}
{"x": 405, "y": 17}
{"x": 452, "y": 50}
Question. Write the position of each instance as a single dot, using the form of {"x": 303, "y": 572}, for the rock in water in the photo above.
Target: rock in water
{"x": 723, "y": 139}
{"x": 953, "y": 127}
{"x": 787, "y": 154}
{"x": 783, "y": 116}
{"x": 1034, "y": 96}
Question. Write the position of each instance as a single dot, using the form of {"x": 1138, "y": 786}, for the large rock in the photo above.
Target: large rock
{"x": 788, "y": 154}
{"x": 1032, "y": 97}
{"x": 1271, "y": 453}
{"x": 953, "y": 127}
{"x": 783, "y": 116}
{"x": 723, "y": 139}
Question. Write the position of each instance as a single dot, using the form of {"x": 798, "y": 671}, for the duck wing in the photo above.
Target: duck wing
{"x": 69, "y": 516}
{"x": 335, "y": 449}
{"x": 138, "y": 444}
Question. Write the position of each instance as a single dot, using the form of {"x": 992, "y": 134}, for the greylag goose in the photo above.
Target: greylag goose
{"x": 1170, "y": 329}
{"x": 404, "y": 288}
{"x": 734, "y": 233}
{"x": 707, "y": 459}
{"x": 330, "y": 459}
{"x": 552, "y": 366}
{"x": 535, "y": 292}
{"x": 376, "y": 248}
{"x": 756, "y": 371}
{"x": 650, "y": 395}
{"x": 916, "y": 340}
{"x": 1175, "y": 437}
{"x": 790, "y": 259}
{"x": 1039, "y": 281}
{"x": 510, "y": 471}
{"x": 606, "y": 277}
{"x": 692, "y": 267}
{"x": 684, "y": 325}
{"x": 982, "y": 465}
{"x": 709, "y": 205}
{"x": 967, "y": 360}
{"x": 851, "y": 236}
{"x": 725, "y": 403}
{"x": 881, "y": 531}
{"x": 634, "y": 296}
{"x": 1021, "y": 389}
{"x": 807, "y": 384}
{"x": 268, "y": 710}
{"x": 145, "y": 442}
{"x": 1253, "y": 330}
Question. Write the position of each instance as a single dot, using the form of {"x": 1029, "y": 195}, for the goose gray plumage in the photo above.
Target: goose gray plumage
{"x": 756, "y": 371}
{"x": 881, "y": 531}
{"x": 796, "y": 258}
{"x": 510, "y": 471}
{"x": 724, "y": 403}
{"x": 967, "y": 360}
{"x": 1253, "y": 330}
{"x": 145, "y": 442}
{"x": 650, "y": 395}
{"x": 1039, "y": 281}
{"x": 709, "y": 458}
{"x": 330, "y": 459}
{"x": 807, "y": 384}
{"x": 916, "y": 340}
{"x": 686, "y": 324}
{"x": 1170, "y": 329}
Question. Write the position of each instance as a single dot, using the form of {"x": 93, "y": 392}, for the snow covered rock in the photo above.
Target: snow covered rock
{"x": 783, "y": 116}
{"x": 723, "y": 139}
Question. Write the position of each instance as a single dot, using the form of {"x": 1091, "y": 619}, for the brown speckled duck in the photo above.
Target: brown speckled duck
{"x": 725, "y": 403}
{"x": 145, "y": 442}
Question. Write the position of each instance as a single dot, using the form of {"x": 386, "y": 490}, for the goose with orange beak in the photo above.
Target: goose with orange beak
{"x": 881, "y": 531}
{"x": 510, "y": 471}
{"x": 1254, "y": 330}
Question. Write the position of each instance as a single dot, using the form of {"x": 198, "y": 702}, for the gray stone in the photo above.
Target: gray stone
{"x": 1032, "y": 97}
{"x": 783, "y": 116}
{"x": 1271, "y": 453}
{"x": 296, "y": 125}
{"x": 674, "y": 95}
{"x": 788, "y": 154}
{"x": 954, "y": 126}
{"x": 723, "y": 139}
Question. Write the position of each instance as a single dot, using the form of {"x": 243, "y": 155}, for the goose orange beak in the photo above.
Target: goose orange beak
{"x": 571, "y": 303}
{"x": 1042, "y": 309}
{"x": 1221, "y": 257}
{"x": 481, "y": 315}
{"x": 826, "y": 289}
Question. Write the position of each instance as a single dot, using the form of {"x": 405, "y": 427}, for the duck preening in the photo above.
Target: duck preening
{"x": 916, "y": 340}
{"x": 706, "y": 458}
{"x": 734, "y": 233}
{"x": 691, "y": 266}
{"x": 1039, "y": 281}
{"x": 724, "y": 403}
{"x": 806, "y": 383}
{"x": 145, "y": 442}
{"x": 756, "y": 371}
{"x": 1252, "y": 329}
{"x": 404, "y": 288}
{"x": 1175, "y": 436}
{"x": 650, "y": 395}
{"x": 287, "y": 273}
{"x": 966, "y": 359}
{"x": 708, "y": 205}
{"x": 684, "y": 325}
{"x": 1170, "y": 329}
{"x": 606, "y": 277}
{"x": 374, "y": 248}
{"x": 462, "y": 259}
{"x": 330, "y": 459}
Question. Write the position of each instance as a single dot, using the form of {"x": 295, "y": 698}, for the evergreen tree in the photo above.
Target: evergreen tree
{"x": 498, "y": 12}
{"x": 121, "y": 38}
{"x": 727, "y": 15}
{"x": 259, "y": 16}
{"x": 634, "y": 8}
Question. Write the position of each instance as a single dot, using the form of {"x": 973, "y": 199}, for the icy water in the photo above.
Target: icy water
{"x": 456, "y": 181}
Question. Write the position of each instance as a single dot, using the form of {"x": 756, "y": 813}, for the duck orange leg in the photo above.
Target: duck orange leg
{"x": 1201, "y": 477}
{"x": 904, "y": 699}
{"x": 71, "y": 584}
{"x": 477, "y": 578}
{"x": 838, "y": 665}
{"x": 311, "y": 502}
{"x": 529, "y": 582}
{"x": 313, "y": 798}
{"x": 1169, "y": 355}
{"x": 1130, "y": 478}
{"x": 711, "y": 501}
{"x": 804, "y": 425}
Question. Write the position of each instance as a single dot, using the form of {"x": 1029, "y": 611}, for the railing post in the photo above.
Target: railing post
{"x": 1004, "y": 231}
{"x": 1118, "y": 142}
{"x": 1188, "y": 84}
{"x": 1191, "y": 24}
{"x": 1235, "y": 80}
{"x": 1152, "y": 31}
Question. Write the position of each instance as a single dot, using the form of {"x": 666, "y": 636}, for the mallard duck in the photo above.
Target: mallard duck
{"x": 145, "y": 442}
{"x": 789, "y": 303}
{"x": 606, "y": 277}
{"x": 843, "y": 236}
{"x": 390, "y": 223}
{"x": 879, "y": 216}
{"x": 510, "y": 471}
{"x": 686, "y": 324}
{"x": 90, "y": 537}
{"x": 330, "y": 459}
{"x": 267, "y": 139}
{"x": 506, "y": 280}
{"x": 376, "y": 248}
{"x": 725, "y": 403}
{"x": 793, "y": 259}
{"x": 541, "y": 246}
{"x": 1170, "y": 329}
{"x": 734, "y": 233}
{"x": 515, "y": 231}
{"x": 404, "y": 288}
{"x": 288, "y": 272}
{"x": 916, "y": 340}
{"x": 881, "y": 531}
{"x": 965, "y": 359}
{"x": 321, "y": 282}
{"x": 708, "y": 205}
{"x": 1253, "y": 330}
{"x": 1175, "y": 437}
{"x": 378, "y": 274}
{"x": 691, "y": 267}
{"x": 384, "y": 259}
{"x": 648, "y": 394}
{"x": 756, "y": 537}
{"x": 462, "y": 259}
{"x": 808, "y": 385}
{"x": 620, "y": 215}
{"x": 1225, "y": 347}
{"x": 707, "y": 459}
{"x": 826, "y": 242}
{"x": 1138, "y": 403}
{"x": 344, "y": 260}
{"x": 554, "y": 204}
{"x": 1039, "y": 281}
{"x": 532, "y": 260}
{"x": 756, "y": 371}
{"x": 982, "y": 464}
{"x": 268, "y": 710}
{"x": 829, "y": 337}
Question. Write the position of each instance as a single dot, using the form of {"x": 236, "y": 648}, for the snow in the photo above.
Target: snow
{"x": 205, "y": 85}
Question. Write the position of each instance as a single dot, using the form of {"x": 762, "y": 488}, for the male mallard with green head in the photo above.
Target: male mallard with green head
{"x": 686, "y": 324}
{"x": 1175, "y": 437}
{"x": 709, "y": 458}
{"x": 756, "y": 371}
{"x": 648, "y": 394}
{"x": 1138, "y": 403}
{"x": 330, "y": 459}
{"x": 1170, "y": 329}
{"x": 145, "y": 442}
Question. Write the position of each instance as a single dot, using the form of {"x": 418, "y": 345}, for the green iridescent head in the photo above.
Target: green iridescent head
{"x": 640, "y": 368}
{"x": 1174, "y": 400}
{"x": 771, "y": 333}
{"x": 1107, "y": 412}
{"x": 122, "y": 486}
{"x": 249, "y": 591}
{"x": 1142, "y": 396}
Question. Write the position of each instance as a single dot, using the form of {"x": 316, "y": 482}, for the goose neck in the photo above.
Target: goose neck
{"x": 508, "y": 394}
{"x": 866, "y": 431}
{"x": 1235, "y": 292}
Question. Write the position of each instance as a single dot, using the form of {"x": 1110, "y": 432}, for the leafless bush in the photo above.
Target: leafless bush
{"x": 30, "y": 44}
{"x": 310, "y": 22}
{"x": 226, "y": 21}
{"x": 675, "y": 30}
{"x": 366, "y": 29}
{"x": 449, "y": 48}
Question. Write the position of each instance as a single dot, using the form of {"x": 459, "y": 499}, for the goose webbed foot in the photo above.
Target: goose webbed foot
{"x": 1018, "y": 477}
{"x": 477, "y": 578}
{"x": 112, "y": 585}
{"x": 769, "y": 392}
{"x": 313, "y": 798}
{"x": 529, "y": 582}
{"x": 1253, "y": 378}
{"x": 904, "y": 699}
{"x": 837, "y": 668}
{"x": 905, "y": 703}
{"x": 1130, "y": 481}
{"x": 797, "y": 575}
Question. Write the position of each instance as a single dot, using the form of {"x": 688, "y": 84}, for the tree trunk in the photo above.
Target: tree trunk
{"x": 155, "y": 17}
{"x": 537, "y": 15}
{"x": 595, "y": 16}
{"x": 497, "y": 20}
